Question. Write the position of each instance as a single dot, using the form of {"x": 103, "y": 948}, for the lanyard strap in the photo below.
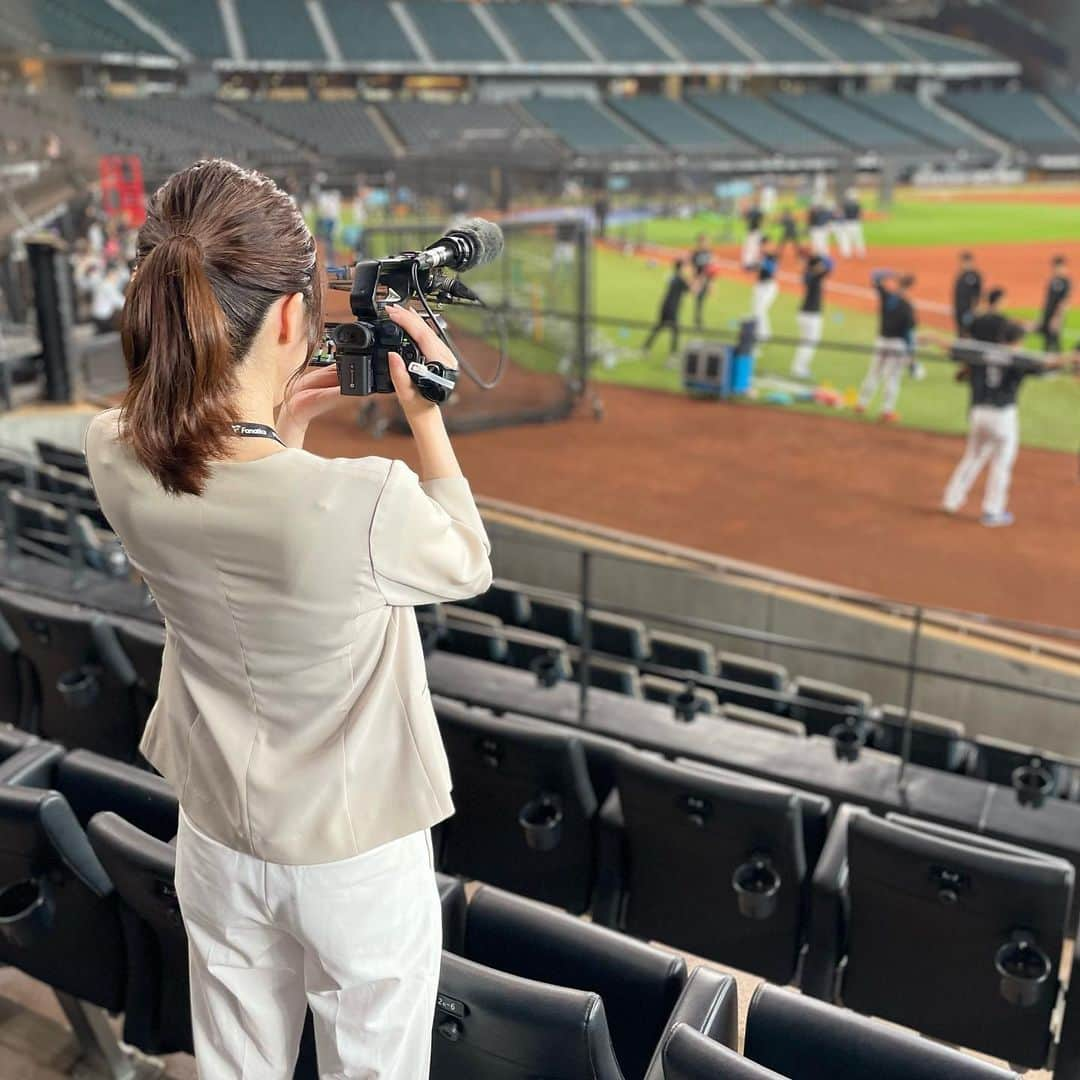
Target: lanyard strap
{"x": 248, "y": 430}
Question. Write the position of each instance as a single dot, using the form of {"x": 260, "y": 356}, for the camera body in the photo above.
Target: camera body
{"x": 361, "y": 349}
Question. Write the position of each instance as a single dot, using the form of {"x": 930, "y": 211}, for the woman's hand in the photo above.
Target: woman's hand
{"x": 431, "y": 347}
{"x": 313, "y": 393}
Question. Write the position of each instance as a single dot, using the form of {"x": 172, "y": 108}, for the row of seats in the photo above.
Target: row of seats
{"x": 88, "y": 906}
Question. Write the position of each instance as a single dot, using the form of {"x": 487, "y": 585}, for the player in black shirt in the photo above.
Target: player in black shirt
{"x": 789, "y": 232}
{"x": 818, "y": 219}
{"x": 990, "y": 324}
{"x": 1053, "y": 313}
{"x": 995, "y": 372}
{"x": 895, "y": 343}
{"x": 810, "y": 318}
{"x": 677, "y": 287}
{"x": 754, "y": 217}
{"x": 700, "y": 263}
{"x": 967, "y": 292}
{"x": 849, "y": 230}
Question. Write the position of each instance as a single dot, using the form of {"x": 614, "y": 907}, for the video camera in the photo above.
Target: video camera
{"x": 361, "y": 349}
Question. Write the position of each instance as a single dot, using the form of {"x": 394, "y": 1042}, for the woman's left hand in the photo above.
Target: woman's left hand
{"x": 314, "y": 393}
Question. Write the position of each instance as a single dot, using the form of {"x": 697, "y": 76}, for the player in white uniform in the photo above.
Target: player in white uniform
{"x": 765, "y": 288}
{"x": 995, "y": 372}
{"x": 849, "y": 230}
{"x": 810, "y": 318}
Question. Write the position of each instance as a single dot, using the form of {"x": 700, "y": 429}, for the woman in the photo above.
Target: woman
{"x": 293, "y": 716}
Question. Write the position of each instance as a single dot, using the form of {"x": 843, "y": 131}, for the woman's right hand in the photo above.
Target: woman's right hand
{"x": 430, "y": 346}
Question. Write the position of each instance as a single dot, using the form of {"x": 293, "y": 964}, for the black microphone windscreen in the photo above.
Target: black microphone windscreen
{"x": 486, "y": 239}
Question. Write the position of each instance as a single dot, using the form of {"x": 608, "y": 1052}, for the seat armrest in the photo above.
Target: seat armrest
{"x": 828, "y": 895}
{"x": 709, "y": 1003}
{"x": 1067, "y": 1061}
{"x": 33, "y": 766}
{"x": 610, "y": 881}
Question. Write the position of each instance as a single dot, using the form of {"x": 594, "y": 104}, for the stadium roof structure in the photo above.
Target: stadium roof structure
{"x": 589, "y": 38}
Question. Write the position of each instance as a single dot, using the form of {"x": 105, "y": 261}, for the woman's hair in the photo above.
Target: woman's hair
{"x": 220, "y": 244}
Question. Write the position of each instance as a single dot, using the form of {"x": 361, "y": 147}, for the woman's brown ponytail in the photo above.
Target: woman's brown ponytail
{"x": 219, "y": 245}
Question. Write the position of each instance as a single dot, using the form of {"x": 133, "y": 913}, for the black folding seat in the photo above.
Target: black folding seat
{"x": 638, "y": 983}
{"x": 472, "y": 633}
{"x": 526, "y": 807}
{"x": 769, "y": 721}
{"x": 822, "y": 706}
{"x": 76, "y": 491}
{"x": 493, "y": 1026}
{"x": 750, "y": 672}
{"x": 792, "y": 1037}
{"x": 542, "y": 654}
{"x": 142, "y": 867}
{"x": 18, "y": 688}
{"x": 615, "y": 675}
{"x": 998, "y": 760}
{"x": 62, "y": 457}
{"x": 682, "y": 697}
{"x": 142, "y": 644}
{"x": 555, "y": 615}
{"x": 950, "y": 933}
{"x": 41, "y": 528}
{"x": 935, "y": 742}
{"x": 506, "y": 600}
{"x": 685, "y": 653}
{"x": 83, "y": 681}
{"x": 59, "y": 916}
{"x": 619, "y": 635}
{"x": 709, "y": 862}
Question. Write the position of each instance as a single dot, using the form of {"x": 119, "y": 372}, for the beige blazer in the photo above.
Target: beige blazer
{"x": 293, "y": 716}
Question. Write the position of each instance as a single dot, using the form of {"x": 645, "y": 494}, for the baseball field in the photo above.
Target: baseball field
{"x": 1012, "y": 232}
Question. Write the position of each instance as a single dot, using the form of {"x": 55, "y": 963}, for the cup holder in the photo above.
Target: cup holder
{"x": 547, "y": 669}
{"x": 79, "y": 688}
{"x": 1033, "y": 783}
{"x": 687, "y": 704}
{"x": 26, "y": 912}
{"x": 541, "y": 820}
{"x": 848, "y": 741}
{"x": 757, "y": 885}
{"x": 1024, "y": 970}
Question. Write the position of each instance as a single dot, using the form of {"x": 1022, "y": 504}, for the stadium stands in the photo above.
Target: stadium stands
{"x": 341, "y": 129}
{"x": 695, "y": 37}
{"x": 773, "y": 41}
{"x": 195, "y": 24}
{"x": 453, "y": 32}
{"x": 680, "y": 127}
{"x": 1017, "y": 116}
{"x": 756, "y": 120}
{"x": 585, "y": 126}
{"x": 82, "y": 27}
{"x": 846, "y": 38}
{"x": 278, "y": 30}
{"x": 367, "y": 30}
{"x": 616, "y": 35}
{"x": 908, "y": 112}
{"x": 845, "y": 123}
{"x": 537, "y": 36}
{"x": 1069, "y": 103}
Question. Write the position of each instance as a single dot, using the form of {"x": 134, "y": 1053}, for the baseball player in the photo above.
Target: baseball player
{"x": 765, "y": 288}
{"x": 1053, "y": 313}
{"x": 995, "y": 373}
{"x": 818, "y": 218}
{"x": 967, "y": 291}
{"x": 989, "y": 323}
{"x": 701, "y": 264}
{"x": 789, "y": 233}
{"x": 754, "y": 218}
{"x": 894, "y": 345}
{"x": 849, "y": 230}
{"x": 668, "y": 319}
{"x": 810, "y": 318}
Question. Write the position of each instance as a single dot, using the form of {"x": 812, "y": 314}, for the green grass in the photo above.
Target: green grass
{"x": 629, "y": 288}
{"x": 910, "y": 222}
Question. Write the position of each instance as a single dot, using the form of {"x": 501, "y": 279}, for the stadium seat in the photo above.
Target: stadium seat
{"x": 525, "y": 807}
{"x": 493, "y": 1026}
{"x": 935, "y": 742}
{"x": 619, "y": 635}
{"x": 142, "y": 644}
{"x": 999, "y": 759}
{"x": 684, "y": 653}
{"x": 751, "y": 672}
{"x": 821, "y": 706}
{"x": 638, "y": 983}
{"x": 17, "y": 685}
{"x": 62, "y": 457}
{"x": 507, "y": 600}
{"x": 541, "y": 654}
{"x": 769, "y": 721}
{"x": 952, "y": 934}
{"x": 707, "y": 861}
{"x": 555, "y": 615}
{"x": 677, "y": 694}
{"x": 83, "y": 679}
{"x": 472, "y": 633}
{"x": 615, "y": 675}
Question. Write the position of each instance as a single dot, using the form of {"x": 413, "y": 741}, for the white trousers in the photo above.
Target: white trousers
{"x": 819, "y": 239}
{"x": 994, "y": 439}
{"x": 751, "y": 248}
{"x": 764, "y": 295}
{"x": 849, "y": 235}
{"x": 358, "y": 940}
{"x": 886, "y": 367}
{"x": 810, "y": 323}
